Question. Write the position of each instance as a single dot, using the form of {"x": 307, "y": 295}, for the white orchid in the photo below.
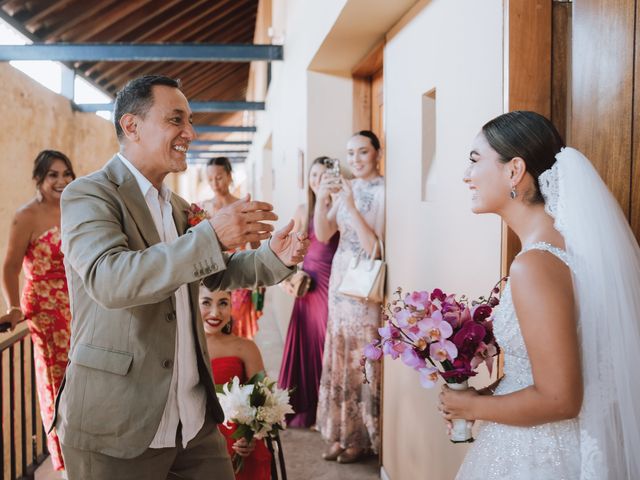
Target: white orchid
{"x": 235, "y": 404}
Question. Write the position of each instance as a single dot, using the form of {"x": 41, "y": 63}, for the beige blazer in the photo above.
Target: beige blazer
{"x": 123, "y": 330}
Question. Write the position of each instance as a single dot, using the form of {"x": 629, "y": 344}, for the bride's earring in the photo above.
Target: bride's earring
{"x": 513, "y": 194}
{"x": 38, "y": 195}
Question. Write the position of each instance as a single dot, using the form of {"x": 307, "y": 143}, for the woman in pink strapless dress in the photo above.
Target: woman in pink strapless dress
{"x": 233, "y": 356}
{"x": 34, "y": 245}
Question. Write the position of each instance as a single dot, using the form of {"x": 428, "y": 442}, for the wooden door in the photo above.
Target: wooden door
{"x": 377, "y": 112}
{"x": 368, "y": 96}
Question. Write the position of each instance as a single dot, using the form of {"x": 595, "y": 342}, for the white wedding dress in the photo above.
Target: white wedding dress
{"x": 544, "y": 452}
{"x": 603, "y": 443}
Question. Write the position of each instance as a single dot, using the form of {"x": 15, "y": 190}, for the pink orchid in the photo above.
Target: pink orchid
{"x": 411, "y": 359}
{"x": 404, "y": 318}
{"x": 435, "y": 327}
{"x": 393, "y": 349}
{"x": 419, "y": 300}
{"x": 373, "y": 351}
{"x": 388, "y": 331}
{"x": 428, "y": 376}
{"x": 443, "y": 350}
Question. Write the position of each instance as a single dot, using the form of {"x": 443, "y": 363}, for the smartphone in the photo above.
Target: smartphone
{"x": 333, "y": 166}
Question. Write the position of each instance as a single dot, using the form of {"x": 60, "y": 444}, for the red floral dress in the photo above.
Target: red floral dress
{"x": 45, "y": 303}
{"x": 243, "y": 312}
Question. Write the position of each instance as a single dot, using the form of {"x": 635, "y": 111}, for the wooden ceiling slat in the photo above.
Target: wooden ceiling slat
{"x": 181, "y": 70}
{"x": 12, "y": 5}
{"x": 36, "y": 20}
{"x": 138, "y": 21}
{"x": 237, "y": 12}
{"x": 140, "y": 35}
{"x": 182, "y": 14}
{"x": 147, "y": 68}
{"x": 83, "y": 32}
{"x": 71, "y": 17}
{"x": 115, "y": 75}
{"x": 219, "y": 82}
{"x": 173, "y": 30}
{"x": 150, "y": 13}
{"x": 228, "y": 87}
{"x": 242, "y": 34}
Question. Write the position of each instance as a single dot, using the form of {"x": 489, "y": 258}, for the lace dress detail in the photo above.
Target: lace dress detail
{"x": 348, "y": 410}
{"x": 544, "y": 452}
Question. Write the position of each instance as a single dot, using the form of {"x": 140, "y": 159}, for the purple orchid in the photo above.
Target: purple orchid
{"x": 373, "y": 351}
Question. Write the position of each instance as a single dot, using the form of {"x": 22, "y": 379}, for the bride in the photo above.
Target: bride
{"x": 568, "y": 405}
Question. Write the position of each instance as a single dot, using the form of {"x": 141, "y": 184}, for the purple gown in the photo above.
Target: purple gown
{"x": 302, "y": 358}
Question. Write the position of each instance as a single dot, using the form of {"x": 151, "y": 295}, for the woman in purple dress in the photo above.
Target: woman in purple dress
{"x": 302, "y": 358}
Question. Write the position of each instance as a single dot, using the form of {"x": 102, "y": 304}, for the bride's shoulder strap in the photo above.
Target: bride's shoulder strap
{"x": 547, "y": 247}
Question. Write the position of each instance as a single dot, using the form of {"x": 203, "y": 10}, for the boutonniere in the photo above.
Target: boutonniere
{"x": 195, "y": 215}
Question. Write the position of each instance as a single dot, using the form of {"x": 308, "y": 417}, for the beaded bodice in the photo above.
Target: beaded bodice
{"x": 517, "y": 367}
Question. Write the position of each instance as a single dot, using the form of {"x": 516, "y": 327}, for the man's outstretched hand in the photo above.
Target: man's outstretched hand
{"x": 242, "y": 222}
{"x": 289, "y": 246}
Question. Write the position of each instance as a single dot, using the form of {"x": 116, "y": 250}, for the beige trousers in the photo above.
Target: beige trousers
{"x": 204, "y": 458}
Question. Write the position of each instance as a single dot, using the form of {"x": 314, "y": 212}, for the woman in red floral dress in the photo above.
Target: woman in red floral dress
{"x": 34, "y": 245}
{"x": 244, "y": 314}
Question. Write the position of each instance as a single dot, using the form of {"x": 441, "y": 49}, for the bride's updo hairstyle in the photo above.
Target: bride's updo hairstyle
{"x": 527, "y": 135}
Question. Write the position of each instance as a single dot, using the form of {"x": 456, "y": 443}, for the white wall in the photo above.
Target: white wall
{"x": 455, "y": 47}
{"x": 284, "y": 125}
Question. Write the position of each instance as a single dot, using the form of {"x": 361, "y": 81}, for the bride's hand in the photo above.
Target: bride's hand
{"x": 457, "y": 404}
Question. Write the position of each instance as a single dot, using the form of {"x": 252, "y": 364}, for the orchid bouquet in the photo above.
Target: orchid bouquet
{"x": 438, "y": 334}
{"x": 258, "y": 408}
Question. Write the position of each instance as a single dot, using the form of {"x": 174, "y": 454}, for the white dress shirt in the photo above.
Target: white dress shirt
{"x": 187, "y": 399}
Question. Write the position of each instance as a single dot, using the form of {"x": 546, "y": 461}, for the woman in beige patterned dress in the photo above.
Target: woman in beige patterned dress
{"x": 348, "y": 410}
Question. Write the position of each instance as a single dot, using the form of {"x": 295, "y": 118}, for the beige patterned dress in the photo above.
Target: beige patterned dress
{"x": 348, "y": 410}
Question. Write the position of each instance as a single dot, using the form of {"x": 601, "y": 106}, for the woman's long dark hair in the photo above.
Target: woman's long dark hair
{"x": 43, "y": 162}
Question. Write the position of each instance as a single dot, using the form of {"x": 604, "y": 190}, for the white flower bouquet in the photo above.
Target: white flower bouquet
{"x": 258, "y": 408}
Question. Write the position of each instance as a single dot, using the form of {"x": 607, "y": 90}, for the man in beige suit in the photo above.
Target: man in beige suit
{"x": 138, "y": 401}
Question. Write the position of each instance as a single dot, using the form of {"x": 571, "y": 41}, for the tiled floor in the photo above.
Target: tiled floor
{"x": 302, "y": 448}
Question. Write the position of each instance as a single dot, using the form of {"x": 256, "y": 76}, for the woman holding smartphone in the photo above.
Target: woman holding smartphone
{"x": 348, "y": 411}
